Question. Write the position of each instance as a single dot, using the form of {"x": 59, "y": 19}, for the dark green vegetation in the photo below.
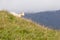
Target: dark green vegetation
{"x": 15, "y": 28}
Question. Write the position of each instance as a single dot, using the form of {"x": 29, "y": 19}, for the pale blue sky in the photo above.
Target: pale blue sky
{"x": 30, "y": 5}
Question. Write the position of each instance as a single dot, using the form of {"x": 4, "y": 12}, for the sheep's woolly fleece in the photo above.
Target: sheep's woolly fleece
{"x": 16, "y": 14}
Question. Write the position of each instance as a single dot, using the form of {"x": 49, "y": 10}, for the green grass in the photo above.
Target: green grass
{"x": 15, "y": 28}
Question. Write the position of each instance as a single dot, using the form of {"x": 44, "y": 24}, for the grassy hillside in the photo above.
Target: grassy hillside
{"x": 15, "y": 28}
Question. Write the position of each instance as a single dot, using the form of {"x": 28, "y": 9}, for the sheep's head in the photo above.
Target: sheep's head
{"x": 21, "y": 14}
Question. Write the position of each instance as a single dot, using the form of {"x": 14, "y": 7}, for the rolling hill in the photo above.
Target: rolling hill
{"x": 50, "y": 19}
{"x": 15, "y": 28}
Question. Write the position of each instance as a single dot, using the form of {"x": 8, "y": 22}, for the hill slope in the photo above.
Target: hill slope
{"x": 15, "y": 28}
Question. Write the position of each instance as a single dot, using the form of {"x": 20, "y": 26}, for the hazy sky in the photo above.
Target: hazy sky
{"x": 30, "y": 5}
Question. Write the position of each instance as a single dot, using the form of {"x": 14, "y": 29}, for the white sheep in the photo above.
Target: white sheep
{"x": 17, "y": 15}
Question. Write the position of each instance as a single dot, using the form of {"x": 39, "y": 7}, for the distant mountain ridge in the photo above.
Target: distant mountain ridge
{"x": 48, "y": 18}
